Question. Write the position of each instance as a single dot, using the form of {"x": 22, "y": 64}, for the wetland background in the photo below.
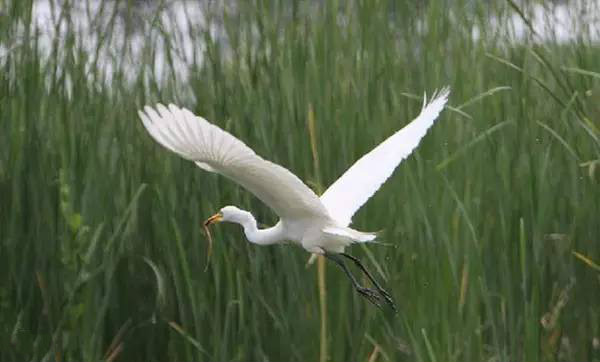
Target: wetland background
{"x": 490, "y": 229}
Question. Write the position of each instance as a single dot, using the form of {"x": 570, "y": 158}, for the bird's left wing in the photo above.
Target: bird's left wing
{"x": 346, "y": 195}
{"x": 215, "y": 150}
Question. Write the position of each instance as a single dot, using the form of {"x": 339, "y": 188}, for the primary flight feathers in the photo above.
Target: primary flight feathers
{"x": 215, "y": 150}
{"x": 346, "y": 195}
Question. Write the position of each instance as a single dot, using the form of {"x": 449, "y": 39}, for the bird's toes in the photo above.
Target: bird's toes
{"x": 380, "y": 296}
{"x": 388, "y": 299}
{"x": 384, "y": 293}
{"x": 391, "y": 303}
{"x": 372, "y": 295}
{"x": 369, "y": 292}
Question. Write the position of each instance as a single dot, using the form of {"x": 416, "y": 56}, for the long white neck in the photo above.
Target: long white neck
{"x": 267, "y": 236}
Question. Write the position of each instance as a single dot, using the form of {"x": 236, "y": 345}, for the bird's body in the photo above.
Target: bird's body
{"x": 319, "y": 224}
{"x": 315, "y": 234}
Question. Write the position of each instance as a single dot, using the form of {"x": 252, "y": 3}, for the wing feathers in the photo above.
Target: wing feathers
{"x": 346, "y": 195}
{"x": 215, "y": 150}
{"x": 154, "y": 132}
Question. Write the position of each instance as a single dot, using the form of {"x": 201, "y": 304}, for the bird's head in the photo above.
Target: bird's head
{"x": 229, "y": 214}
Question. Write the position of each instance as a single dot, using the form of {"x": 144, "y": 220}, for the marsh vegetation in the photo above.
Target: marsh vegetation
{"x": 490, "y": 229}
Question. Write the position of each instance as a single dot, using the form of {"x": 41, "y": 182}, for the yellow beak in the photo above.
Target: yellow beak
{"x": 218, "y": 217}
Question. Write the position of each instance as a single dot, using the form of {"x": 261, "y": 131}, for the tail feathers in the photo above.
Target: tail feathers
{"x": 348, "y": 233}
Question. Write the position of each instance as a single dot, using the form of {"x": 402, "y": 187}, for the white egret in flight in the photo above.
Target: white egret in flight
{"x": 318, "y": 224}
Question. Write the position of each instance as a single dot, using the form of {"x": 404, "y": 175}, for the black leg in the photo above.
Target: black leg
{"x": 383, "y": 292}
{"x": 372, "y": 295}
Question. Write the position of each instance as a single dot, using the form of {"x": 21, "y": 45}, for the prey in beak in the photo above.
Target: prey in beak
{"x": 211, "y": 220}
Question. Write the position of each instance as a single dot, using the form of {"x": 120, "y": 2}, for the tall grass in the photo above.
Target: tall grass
{"x": 101, "y": 249}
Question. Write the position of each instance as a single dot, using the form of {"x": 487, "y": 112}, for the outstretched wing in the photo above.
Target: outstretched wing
{"x": 346, "y": 195}
{"x": 215, "y": 150}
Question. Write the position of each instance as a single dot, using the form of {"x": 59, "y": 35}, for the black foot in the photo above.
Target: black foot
{"x": 388, "y": 298}
{"x": 382, "y": 292}
{"x": 377, "y": 296}
{"x": 372, "y": 296}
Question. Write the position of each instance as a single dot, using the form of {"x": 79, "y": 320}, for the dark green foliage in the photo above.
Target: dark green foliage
{"x": 101, "y": 247}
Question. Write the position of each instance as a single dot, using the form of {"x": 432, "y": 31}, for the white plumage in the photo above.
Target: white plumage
{"x": 318, "y": 224}
{"x": 215, "y": 150}
{"x": 346, "y": 195}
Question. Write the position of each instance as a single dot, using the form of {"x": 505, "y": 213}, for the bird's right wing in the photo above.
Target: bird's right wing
{"x": 215, "y": 150}
{"x": 346, "y": 195}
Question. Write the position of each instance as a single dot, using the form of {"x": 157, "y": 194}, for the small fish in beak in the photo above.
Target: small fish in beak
{"x": 211, "y": 220}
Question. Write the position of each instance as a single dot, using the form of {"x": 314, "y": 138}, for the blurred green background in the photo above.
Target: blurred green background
{"x": 490, "y": 229}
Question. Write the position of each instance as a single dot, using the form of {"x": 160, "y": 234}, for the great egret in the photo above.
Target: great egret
{"x": 318, "y": 224}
